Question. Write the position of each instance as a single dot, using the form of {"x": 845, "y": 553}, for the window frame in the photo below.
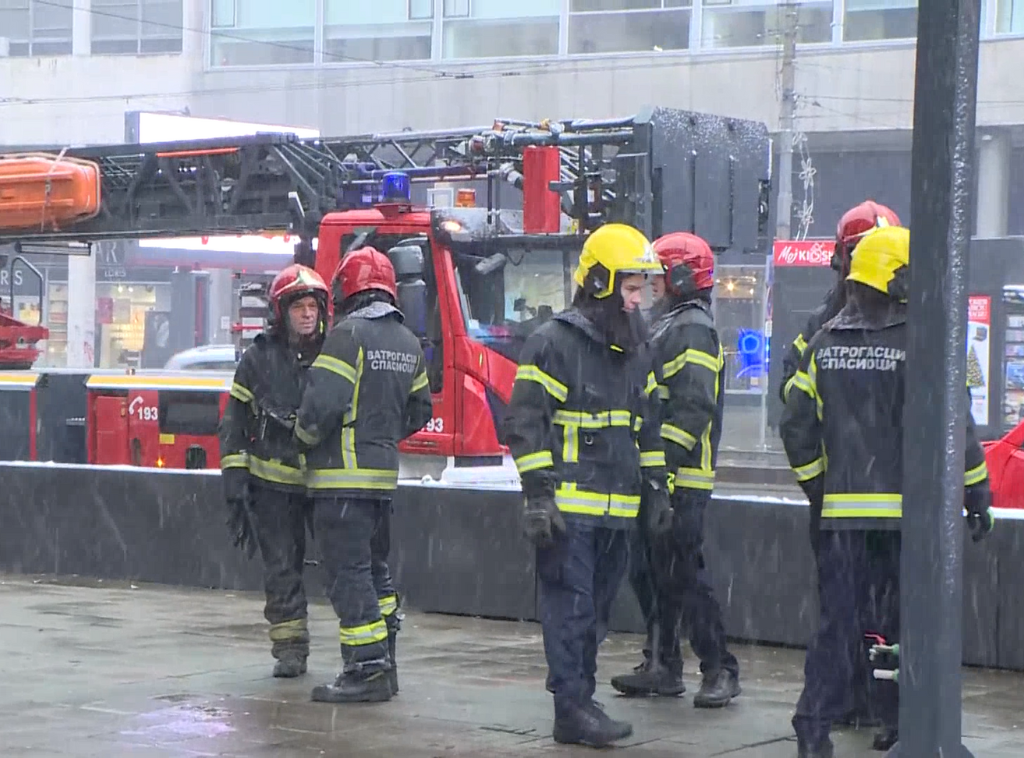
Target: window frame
{"x": 140, "y": 37}
{"x": 34, "y": 39}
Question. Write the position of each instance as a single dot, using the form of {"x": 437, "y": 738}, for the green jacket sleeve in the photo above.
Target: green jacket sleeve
{"x": 233, "y": 431}
{"x": 800, "y": 427}
{"x": 692, "y": 361}
{"x": 419, "y": 407}
{"x": 652, "y": 450}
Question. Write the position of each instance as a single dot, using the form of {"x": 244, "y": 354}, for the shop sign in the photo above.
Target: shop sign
{"x": 803, "y": 252}
{"x": 25, "y": 282}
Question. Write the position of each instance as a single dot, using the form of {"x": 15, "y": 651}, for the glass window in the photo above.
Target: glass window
{"x": 34, "y": 28}
{"x": 1009, "y": 16}
{"x": 739, "y": 317}
{"x": 880, "y": 19}
{"x": 618, "y": 26}
{"x": 384, "y": 30}
{"x": 756, "y": 23}
{"x": 133, "y": 27}
{"x": 497, "y": 29}
{"x": 264, "y": 33}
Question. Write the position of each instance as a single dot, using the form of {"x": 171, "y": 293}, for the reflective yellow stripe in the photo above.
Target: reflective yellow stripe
{"x": 335, "y": 366}
{"x": 348, "y": 421}
{"x": 367, "y": 634}
{"x": 600, "y": 420}
{"x": 800, "y": 344}
{"x": 697, "y": 358}
{"x": 863, "y": 505}
{"x": 695, "y": 479}
{"x": 652, "y": 458}
{"x": 388, "y": 605}
{"x": 240, "y": 393}
{"x": 234, "y": 460}
{"x": 289, "y": 630}
{"x": 679, "y": 436}
{"x": 304, "y": 437}
{"x": 531, "y": 373}
{"x": 352, "y": 479}
{"x": 534, "y": 461}
{"x": 807, "y": 382}
{"x": 419, "y": 383}
{"x": 275, "y": 471}
{"x": 810, "y": 470}
{"x": 571, "y": 500}
{"x": 976, "y": 475}
{"x": 663, "y": 393}
{"x": 652, "y": 384}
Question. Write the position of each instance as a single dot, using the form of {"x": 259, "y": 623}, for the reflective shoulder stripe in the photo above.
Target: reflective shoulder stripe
{"x": 234, "y": 460}
{"x": 976, "y": 475}
{"x": 419, "y": 383}
{"x": 679, "y": 436}
{"x": 241, "y": 393}
{"x": 531, "y": 373}
{"x": 695, "y": 357}
{"x": 335, "y": 366}
{"x": 652, "y": 458}
{"x": 534, "y": 461}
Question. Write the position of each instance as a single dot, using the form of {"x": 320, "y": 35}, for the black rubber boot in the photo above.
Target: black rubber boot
{"x": 885, "y": 739}
{"x": 823, "y": 750}
{"x": 717, "y": 690}
{"x": 290, "y": 665}
{"x": 622, "y": 729}
{"x": 649, "y": 679}
{"x": 355, "y": 687}
{"x": 587, "y": 726}
{"x": 393, "y": 673}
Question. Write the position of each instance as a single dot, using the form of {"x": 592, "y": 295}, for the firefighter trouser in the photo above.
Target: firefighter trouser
{"x": 641, "y": 580}
{"x": 685, "y": 598}
{"x": 280, "y": 522}
{"x": 578, "y": 579}
{"x": 354, "y": 539}
{"x": 858, "y": 575}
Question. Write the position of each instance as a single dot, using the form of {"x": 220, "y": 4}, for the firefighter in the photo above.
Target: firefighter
{"x": 686, "y": 346}
{"x": 582, "y": 426}
{"x": 365, "y": 392}
{"x": 260, "y": 467}
{"x": 852, "y": 226}
{"x": 846, "y": 398}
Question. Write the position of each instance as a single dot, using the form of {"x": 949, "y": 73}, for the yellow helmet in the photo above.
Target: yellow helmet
{"x": 611, "y": 250}
{"x": 881, "y": 261}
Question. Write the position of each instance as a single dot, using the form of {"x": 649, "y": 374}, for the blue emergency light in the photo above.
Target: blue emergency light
{"x": 751, "y": 347}
{"x": 395, "y": 187}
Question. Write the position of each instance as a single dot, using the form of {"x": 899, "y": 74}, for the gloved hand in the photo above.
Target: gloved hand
{"x": 543, "y": 521}
{"x": 980, "y": 519}
{"x": 239, "y": 520}
{"x": 657, "y": 510}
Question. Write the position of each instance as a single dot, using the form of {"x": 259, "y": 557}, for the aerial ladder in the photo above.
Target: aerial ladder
{"x": 464, "y": 271}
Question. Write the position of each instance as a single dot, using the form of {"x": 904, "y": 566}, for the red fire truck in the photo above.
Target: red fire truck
{"x": 474, "y": 278}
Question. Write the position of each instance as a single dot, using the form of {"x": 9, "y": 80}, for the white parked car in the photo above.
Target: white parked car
{"x": 205, "y": 358}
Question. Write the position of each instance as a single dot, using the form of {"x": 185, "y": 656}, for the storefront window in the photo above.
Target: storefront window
{"x": 121, "y": 317}
{"x": 739, "y": 308}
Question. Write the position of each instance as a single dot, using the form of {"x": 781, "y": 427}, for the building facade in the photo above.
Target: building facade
{"x": 73, "y": 69}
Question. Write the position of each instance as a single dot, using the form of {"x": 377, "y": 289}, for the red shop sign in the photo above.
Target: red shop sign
{"x": 803, "y": 252}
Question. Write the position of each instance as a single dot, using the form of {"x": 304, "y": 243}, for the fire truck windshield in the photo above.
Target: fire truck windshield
{"x": 503, "y": 307}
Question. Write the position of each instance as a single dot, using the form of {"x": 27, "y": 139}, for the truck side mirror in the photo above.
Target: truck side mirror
{"x": 407, "y": 261}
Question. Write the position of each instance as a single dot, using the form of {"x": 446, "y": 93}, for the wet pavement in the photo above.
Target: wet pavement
{"x": 100, "y": 669}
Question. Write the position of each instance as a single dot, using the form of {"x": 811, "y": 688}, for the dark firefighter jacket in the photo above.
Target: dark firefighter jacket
{"x": 365, "y": 392}
{"x": 843, "y": 425}
{"x": 582, "y": 423}
{"x": 268, "y": 382}
{"x": 834, "y": 301}
{"x": 686, "y": 346}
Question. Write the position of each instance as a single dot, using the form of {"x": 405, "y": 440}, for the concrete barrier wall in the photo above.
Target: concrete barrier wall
{"x": 455, "y": 551}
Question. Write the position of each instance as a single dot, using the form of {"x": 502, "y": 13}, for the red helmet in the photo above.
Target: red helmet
{"x": 688, "y": 261}
{"x": 292, "y": 283}
{"x": 857, "y": 222}
{"x": 364, "y": 269}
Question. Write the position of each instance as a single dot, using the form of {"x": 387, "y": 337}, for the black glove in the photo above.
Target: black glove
{"x": 980, "y": 519}
{"x": 239, "y": 521}
{"x": 543, "y": 522}
{"x": 657, "y": 510}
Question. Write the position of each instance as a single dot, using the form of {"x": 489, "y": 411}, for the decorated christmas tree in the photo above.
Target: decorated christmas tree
{"x": 975, "y": 377}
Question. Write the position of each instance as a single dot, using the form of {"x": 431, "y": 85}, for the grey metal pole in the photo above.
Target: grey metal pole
{"x": 787, "y": 116}
{"x": 931, "y": 572}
